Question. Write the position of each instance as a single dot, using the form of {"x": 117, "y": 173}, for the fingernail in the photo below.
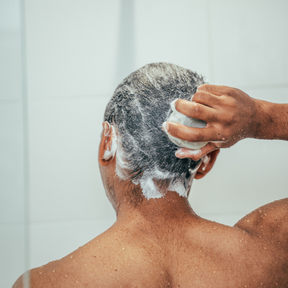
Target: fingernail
{"x": 165, "y": 126}
{"x": 179, "y": 152}
{"x": 194, "y": 151}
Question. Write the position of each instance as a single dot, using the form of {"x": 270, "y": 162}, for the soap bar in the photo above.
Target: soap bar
{"x": 178, "y": 117}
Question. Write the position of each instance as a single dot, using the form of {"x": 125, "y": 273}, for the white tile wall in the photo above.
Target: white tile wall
{"x": 10, "y": 50}
{"x": 12, "y": 232}
{"x": 65, "y": 180}
{"x": 248, "y": 42}
{"x": 173, "y": 31}
{"x": 11, "y": 164}
{"x": 71, "y": 47}
{"x": 12, "y": 254}
{"x": 54, "y": 240}
{"x": 246, "y": 176}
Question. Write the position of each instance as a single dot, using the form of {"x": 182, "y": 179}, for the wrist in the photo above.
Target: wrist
{"x": 262, "y": 119}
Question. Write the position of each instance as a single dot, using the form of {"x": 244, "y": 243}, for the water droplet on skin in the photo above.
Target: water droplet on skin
{"x": 214, "y": 272}
{"x": 196, "y": 267}
{"x": 66, "y": 276}
{"x": 77, "y": 282}
{"x": 214, "y": 227}
{"x": 265, "y": 248}
{"x": 53, "y": 270}
{"x": 260, "y": 237}
{"x": 248, "y": 220}
{"x": 123, "y": 248}
{"x": 180, "y": 274}
{"x": 40, "y": 273}
{"x": 71, "y": 257}
{"x": 162, "y": 272}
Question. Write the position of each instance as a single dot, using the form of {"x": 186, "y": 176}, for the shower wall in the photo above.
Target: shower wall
{"x": 77, "y": 54}
{"x": 12, "y": 194}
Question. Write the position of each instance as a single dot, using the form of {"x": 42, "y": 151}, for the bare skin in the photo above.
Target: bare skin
{"x": 231, "y": 116}
{"x": 163, "y": 243}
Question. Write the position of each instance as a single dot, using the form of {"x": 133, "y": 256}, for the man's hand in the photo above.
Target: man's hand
{"x": 230, "y": 114}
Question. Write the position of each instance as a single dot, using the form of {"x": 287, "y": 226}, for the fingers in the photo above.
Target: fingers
{"x": 206, "y": 98}
{"x": 195, "y": 154}
{"x": 215, "y": 89}
{"x": 194, "y": 110}
{"x": 192, "y": 134}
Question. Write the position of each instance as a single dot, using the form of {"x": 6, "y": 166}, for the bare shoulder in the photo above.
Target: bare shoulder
{"x": 268, "y": 220}
{"x": 111, "y": 259}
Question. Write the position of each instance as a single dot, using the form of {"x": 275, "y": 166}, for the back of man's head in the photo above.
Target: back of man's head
{"x": 137, "y": 110}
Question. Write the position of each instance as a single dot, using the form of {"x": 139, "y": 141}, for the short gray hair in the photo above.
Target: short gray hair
{"x": 137, "y": 110}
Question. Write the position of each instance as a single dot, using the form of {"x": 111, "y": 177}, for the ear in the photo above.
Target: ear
{"x": 108, "y": 144}
{"x": 207, "y": 164}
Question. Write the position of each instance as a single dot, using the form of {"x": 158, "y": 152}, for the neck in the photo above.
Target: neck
{"x": 171, "y": 208}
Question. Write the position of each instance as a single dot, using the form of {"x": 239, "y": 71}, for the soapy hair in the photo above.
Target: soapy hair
{"x": 137, "y": 110}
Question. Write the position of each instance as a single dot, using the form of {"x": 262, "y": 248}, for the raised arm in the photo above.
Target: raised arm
{"x": 231, "y": 115}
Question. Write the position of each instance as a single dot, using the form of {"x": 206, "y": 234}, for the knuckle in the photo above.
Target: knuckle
{"x": 199, "y": 95}
{"x": 232, "y": 102}
{"x": 197, "y": 111}
{"x": 210, "y": 87}
{"x": 202, "y": 86}
{"x": 197, "y": 136}
{"x": 213, "y": 118}
{"x": 231, "y": 91}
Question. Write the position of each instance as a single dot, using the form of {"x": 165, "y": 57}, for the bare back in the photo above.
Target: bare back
{"x": 201, "y": 253}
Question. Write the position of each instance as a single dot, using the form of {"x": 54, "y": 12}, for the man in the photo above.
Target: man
{"x": 158, "y": 240}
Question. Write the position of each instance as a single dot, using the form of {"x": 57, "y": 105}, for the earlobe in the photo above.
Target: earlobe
{"x": 108, "y": 144}
{"x": 207, "y": 164}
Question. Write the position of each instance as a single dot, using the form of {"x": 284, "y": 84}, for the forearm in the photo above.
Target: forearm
{"x": 271, "y": 121}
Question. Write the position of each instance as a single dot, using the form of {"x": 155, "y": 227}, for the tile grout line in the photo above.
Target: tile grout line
{"x": 26, "y": 280}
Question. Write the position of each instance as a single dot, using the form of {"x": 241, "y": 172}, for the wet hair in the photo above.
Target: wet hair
{"x": 137, "y": 110}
